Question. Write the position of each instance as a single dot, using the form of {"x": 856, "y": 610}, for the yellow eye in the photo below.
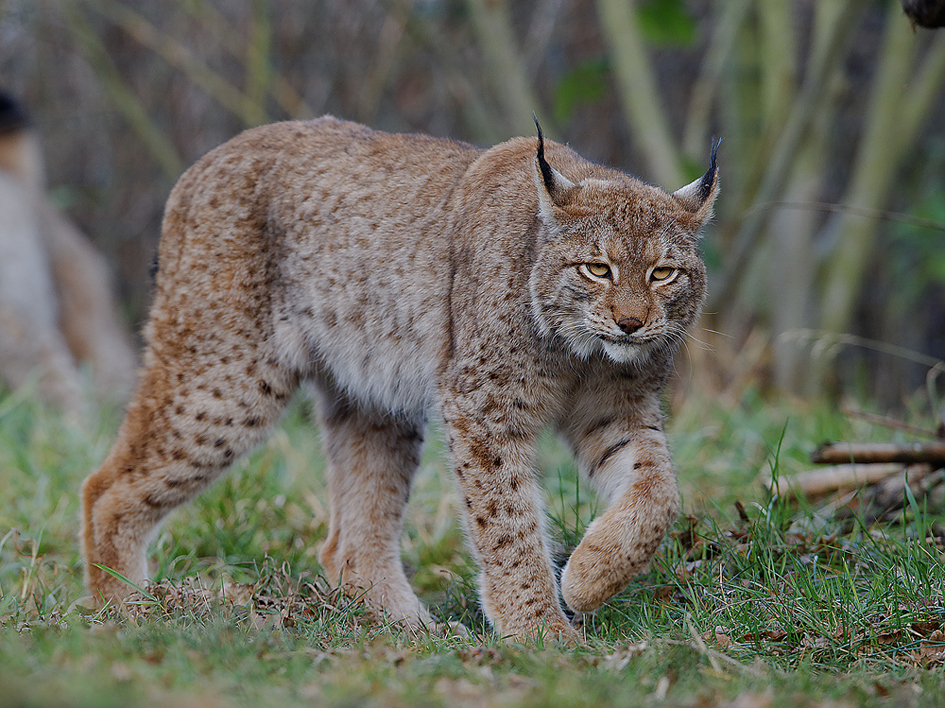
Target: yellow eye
{"x": 663, "y": 273}
{"x": 598, "y": 270}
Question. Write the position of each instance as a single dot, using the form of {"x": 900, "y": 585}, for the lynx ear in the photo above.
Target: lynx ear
{"x": 552, "y": 186}
{"x": 699, "y": 196}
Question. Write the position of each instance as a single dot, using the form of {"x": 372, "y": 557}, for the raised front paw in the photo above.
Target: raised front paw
{"x": 617, "y": 546}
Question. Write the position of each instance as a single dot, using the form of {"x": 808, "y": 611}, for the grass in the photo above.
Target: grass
{"x": 750, "y": 600}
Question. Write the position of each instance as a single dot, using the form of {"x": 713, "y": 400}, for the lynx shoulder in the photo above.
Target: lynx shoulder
{"x": 501, "y": 291}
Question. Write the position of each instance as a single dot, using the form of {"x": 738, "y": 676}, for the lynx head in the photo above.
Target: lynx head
{"x": 617, "y": 271}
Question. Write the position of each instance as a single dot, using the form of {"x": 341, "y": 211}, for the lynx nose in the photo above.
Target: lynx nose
{"x": 629, "y": 325}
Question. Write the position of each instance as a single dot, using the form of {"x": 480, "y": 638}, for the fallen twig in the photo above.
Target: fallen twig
{"x": 905, "y": 453}
{"x": 888, "y": 422}
{"x": 822, "y": 481}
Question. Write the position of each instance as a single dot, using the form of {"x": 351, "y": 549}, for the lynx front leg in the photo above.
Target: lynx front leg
{"x": 634, "y": 472}
{"x": 505, "y": 520}
{"x": 371, "y": 462}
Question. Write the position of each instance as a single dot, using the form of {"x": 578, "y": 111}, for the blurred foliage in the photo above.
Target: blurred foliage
{"x": 585, "y": 84}
{"x": 667, "y": 23}
{"x": 818, "y": 103}
{"x": 917, "y": 256}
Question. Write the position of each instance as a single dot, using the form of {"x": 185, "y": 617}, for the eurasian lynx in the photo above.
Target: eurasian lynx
{"x": 405, "y": 275}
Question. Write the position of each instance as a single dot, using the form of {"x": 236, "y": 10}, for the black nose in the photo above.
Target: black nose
{"x": 629, "y": 324}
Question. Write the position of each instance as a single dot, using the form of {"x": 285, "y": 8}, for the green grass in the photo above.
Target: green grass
{"x": 773, "y": 605}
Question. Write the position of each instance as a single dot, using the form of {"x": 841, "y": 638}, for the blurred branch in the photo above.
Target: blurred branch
{"x": 481, "y": 121}
{"x": 864, "y": 212}
{"x": 828, "y": 344}
{"x": 777, "y": 60}
{"x": 887, "y": 422}
{"x": 923, "y": 91}
{"x": 880, "y": 151}
{"x": 786, "y": 262}
{"x": 540, "y": 33}
{"x": 493, "y": 24}
{"x": 179, "y": 56}
{"x": 125, "y": 101}
{"x": 390, "y": 38}
{"x": 283, "y": 93}
{"x": 696, "y": 131}
{"x": 258, "y": 68}
{"x": 834, "y": 33}
{"x": 636, "y": 85}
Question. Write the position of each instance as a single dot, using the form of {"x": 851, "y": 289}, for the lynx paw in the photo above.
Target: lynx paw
{"x": 559, "y": 631}
{"x": 613, "y": 551}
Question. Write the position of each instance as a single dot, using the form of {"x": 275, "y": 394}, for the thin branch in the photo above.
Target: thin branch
{"x": 865, "y": 212}
{"x": 284, "y": 94}
{"x": 478, "y": 115}
{"x": 923, "y": 91}
{"x": 125, "y": 100}
{"x": 724, "y": 31}
{"x": 887, "y": 422}
{"x": 493, "y": 25}
{"x": 178, "y": 55}
{"x": 258, "y": 67}
{"x": 389, "y": 41}
{"x": 828, "y": 343}
{"x": 540, "y": 32}
{"x": 776, "y": 60}
{"x": 636, "y": 85}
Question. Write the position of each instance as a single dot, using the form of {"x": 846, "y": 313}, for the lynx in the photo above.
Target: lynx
{"x": 502, "y": 291}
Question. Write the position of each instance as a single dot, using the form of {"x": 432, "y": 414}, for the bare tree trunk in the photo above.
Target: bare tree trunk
{"x": 717, "y": 57}
{"x": 875, "y": 167}
{"x": 838, "y": 27}
{"x": 791, "y": 272}
{"x": 893, "y": 119}
{"x": 790, "y": 268}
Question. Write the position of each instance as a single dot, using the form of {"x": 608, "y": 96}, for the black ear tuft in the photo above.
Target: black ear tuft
{"x": 708, "y": 179}
{"x": 547, "y": 176}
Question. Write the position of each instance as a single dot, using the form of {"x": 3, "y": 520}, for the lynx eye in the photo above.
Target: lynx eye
{"x": 660, "y": 274}
{"x": 598, "y": 270}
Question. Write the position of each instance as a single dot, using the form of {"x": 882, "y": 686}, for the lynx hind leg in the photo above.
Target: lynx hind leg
{"x": 186, "y": 424}
{"x": 636, "y": 475}
{"x": 372, "y": 458}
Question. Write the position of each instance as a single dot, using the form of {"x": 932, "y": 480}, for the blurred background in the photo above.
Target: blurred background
{"x": 827, "y": 254}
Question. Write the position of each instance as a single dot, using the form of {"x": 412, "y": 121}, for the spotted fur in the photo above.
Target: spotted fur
{"x": 408, "y": 276}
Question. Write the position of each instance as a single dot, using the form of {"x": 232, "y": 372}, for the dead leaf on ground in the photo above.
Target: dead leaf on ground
{"x": 720, "y": 636}
{"x": 931, "y": 651}
{"x": 619, "y": 659}
{"x": 772, "y": 634}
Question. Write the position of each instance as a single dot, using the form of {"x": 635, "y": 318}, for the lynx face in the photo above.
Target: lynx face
{"x": 613, "y": 281}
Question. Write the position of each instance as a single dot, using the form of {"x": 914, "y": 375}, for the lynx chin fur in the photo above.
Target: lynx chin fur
{"x": 501, "y": 291}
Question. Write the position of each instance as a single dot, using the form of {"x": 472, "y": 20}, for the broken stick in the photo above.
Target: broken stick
{"x": 865, "y": 453}
{"x": 816, "y": 483}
